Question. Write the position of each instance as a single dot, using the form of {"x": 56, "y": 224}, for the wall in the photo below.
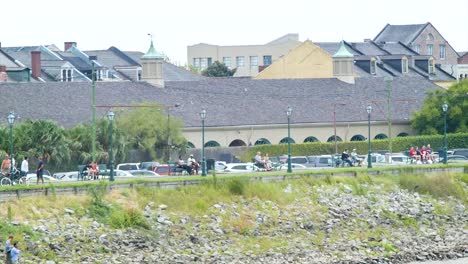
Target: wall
{"x": 451, "y": 54}
{"x": 305, "y": 61}
{"x": 274, "y": 133}
{"x": 218, "y": 52}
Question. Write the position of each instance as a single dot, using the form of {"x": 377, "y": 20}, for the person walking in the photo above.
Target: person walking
{"x": 24, "y": 166}
{"x": 15, "y": 252}
{"x": 8, "y": 248}
{"x": 40, "y": 171}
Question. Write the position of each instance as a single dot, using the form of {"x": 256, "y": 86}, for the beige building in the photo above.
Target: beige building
{"x": 247, "y": 59}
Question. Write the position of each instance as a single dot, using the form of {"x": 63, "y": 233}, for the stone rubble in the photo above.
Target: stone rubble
{"x": 328, "y": 224}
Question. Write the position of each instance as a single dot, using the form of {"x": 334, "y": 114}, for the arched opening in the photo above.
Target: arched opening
{"x": 211, "y": 144}
{"x": 358, "y": 138}
{"x": 332, "y": 139}
{"x": 286, "y": 139}
{"x": 311, "y": 139}
{"x": 190, "y": 145}
{"x": 403, "y": 134}
{"x": 262, "y": 141}
{"x": 237, "y": 143}
{"x": 381, "y": 136}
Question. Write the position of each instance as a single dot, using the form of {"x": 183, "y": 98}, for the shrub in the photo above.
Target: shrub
{"x": 236, "y": 186}
{"x": 399, "y": 144}
{"x": 440, "y": 185}
{"x": 129, "y": 217}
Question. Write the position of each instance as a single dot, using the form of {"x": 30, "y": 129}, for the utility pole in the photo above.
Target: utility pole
{"x": 389, "y": 80}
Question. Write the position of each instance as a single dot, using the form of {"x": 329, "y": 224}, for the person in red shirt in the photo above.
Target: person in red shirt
{"x": 423, "y": 154}
{"x": 412, "y": 154}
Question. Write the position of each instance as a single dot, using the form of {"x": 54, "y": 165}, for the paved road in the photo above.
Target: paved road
{"x": 456, "y": 261}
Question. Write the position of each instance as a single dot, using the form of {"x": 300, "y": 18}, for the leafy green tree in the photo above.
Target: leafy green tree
{"x": 146, "y": 127}
{"x": 430, "y": 119}
{"x": 218, "y": 69}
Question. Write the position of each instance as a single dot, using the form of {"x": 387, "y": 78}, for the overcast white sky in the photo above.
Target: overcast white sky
{"x": 175, "y": 24}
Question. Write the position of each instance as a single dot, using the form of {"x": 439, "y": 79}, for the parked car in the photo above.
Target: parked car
{"x": 148, "y": 165}
{"x": 462, "y": 152}
{"x": 376, "y": 158}
{"x": 128, "y": 166}
{"x": 122, "y": 173}
{"x": 162, "y": 170}
{"x": 144, "y": 173}
{"x": 294, "y": 166}
{"x": 239, "y": 168}
{"x": 302, "y": 160}
{"x": 400, "y": 159}
{"x": 44, "y": 172}
{"x": 321, "y": 161}
{"x": 66, "y": 176}
{"x": 455, "y": 159}
{"x": 32, "y": 179}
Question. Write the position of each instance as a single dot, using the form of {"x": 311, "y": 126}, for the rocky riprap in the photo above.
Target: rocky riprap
{"x": 328, "y": 224}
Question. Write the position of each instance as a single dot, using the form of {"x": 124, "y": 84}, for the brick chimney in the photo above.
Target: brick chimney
{"x": 3, "y": 75}
{"x": 69, "y": 45}
{"x": 36, "y": 64}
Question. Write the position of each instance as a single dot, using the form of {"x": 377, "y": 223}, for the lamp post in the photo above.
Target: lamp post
{"x": 389, "y": 80}
{"x": 169, "y": 140}
{"x": 11, "y": 119}
{"x": 445, "y": 108}
{"x": 203, "y": 116}
{"x": 288, "y": 114}
{"x": 369, "y": 158}
{"x": 93, "y": 108}
{"x": 110, "y": 117}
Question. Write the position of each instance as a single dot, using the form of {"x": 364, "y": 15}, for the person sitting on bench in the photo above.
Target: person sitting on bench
{"x": 193, "y": 164}
{"x": 181, "y": 164}
{"x": 345, "y": 158}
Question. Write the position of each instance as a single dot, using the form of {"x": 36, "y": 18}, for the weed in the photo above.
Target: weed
{"x": 9, "y": 213}
{"x": 236, "y": 186}
{"x": 129, "y": 217}
{"x": 440, "y": 185}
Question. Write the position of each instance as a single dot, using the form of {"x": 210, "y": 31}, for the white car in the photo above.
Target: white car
{"x": 122, "y": 174}
{"x": 239, "y": 168}
{"x": 294, "y": 166}
{"x": 32, "y": 179}
{"x": 128, "y": 166}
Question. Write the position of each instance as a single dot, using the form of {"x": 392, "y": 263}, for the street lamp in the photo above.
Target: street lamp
{"x": 11, "y": 119}
{"x": 203, "y": 117}
{"x": 110, "y": 117}
{"x": 445, "y": 108}
{"x": 169, "y": 140}
{"x": 369, "y": 158}
{"x": 288, "y": 114}
{"x": 93, "y": 108}
{"x": 334, "y": 124}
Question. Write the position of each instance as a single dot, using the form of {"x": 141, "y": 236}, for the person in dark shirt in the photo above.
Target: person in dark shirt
{"x": 345, "y": 158}
{"x": 40, "y": 170}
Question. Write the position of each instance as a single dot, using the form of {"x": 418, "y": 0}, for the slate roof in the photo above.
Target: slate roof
{"x": 228, "y": 101}
{"x": 403, "y": 33}
{"x": 113, "y": 58}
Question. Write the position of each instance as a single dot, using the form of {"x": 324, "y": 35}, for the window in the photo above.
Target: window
{"x": 67, "y": 75}
{"x": 240, "y": 61}
{"x": 253, "y": 61}
{"x": 203, "y": 63}
{"x": 442, "y": 52}
{"x": 431, "y": 66}
{"x": 417, "y": 48}
{"x": 404, "y": 65}
{"x": 430, "y": 37}
{"x": 210, "y": 61}
{"x": 429, "y": 49}
{"x": 196, "y": 62}
{"x": 373, "y": 64}
{"x": 227, "y": 61}
{"x": 267, "y": 60}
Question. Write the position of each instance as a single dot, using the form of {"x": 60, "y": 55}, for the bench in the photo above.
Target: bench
{"x": 82, "y": 173}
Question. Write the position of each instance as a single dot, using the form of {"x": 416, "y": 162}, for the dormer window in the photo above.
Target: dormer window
{"x": 431, "y": 66}
{"x": 404, "y": 65}
{"x": 373, "y": 65}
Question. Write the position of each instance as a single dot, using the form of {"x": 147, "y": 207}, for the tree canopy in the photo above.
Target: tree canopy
{"x": 218, "y": 69}
{"x": 430, "y": 119}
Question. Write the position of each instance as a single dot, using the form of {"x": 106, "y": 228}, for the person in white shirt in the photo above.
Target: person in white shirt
{"x": 193, "y": 164}
{"x": 24, "y": 166}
